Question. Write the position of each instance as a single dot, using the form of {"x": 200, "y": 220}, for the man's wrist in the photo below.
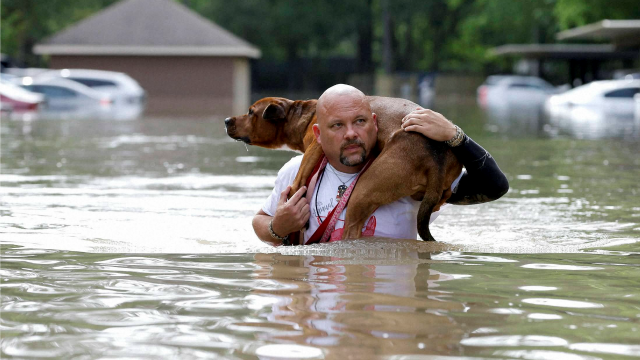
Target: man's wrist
{"x": 274, "y": 235}
{"x": 457, "y": 139}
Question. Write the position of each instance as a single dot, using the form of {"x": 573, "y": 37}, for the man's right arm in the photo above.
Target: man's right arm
{"x": 261, "y": 226}
{"x": 290, "y": 216}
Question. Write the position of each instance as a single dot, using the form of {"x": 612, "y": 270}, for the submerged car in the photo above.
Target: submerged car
{"x": 513, "y": 91}
{"x": 15, "y": 98}
{"x": 596, "y": 110}
{"x": 637, "y": 111}
{"x": 65, "y": 94}
{"x": 612, "y": 97}
{"x": 122, "y": 88}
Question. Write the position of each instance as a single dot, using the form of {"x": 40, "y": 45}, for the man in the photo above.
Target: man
{"x": 347, "y": 132}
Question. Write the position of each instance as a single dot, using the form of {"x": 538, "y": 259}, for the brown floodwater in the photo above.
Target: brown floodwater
{"x": 133, "y": 239}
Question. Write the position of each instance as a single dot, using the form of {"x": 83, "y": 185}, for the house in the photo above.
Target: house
{"x": 186, "y": 63}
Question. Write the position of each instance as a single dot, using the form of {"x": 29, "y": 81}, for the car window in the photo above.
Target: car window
{"x": 54, "y": 91}
{"x": 524, "y": 86}
{"x": 93, "y": 83}
{"x": 622, "y": 93}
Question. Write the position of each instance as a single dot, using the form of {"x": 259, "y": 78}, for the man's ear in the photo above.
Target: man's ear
{"x": 274, "y": 112}
{"x": 375, "y": 120}
{"x": 316, "y": 133}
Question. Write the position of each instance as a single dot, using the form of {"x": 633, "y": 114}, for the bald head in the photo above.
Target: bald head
{"x": 346, "y": 128}
{"x": 340, "y": 95}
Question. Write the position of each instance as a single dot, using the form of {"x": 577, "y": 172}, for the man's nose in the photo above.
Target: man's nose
{"x": 351, "y": 133}
{"x": 227, "y": 121}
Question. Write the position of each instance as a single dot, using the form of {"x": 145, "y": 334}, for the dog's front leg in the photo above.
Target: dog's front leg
{"x": 312, "y": 155}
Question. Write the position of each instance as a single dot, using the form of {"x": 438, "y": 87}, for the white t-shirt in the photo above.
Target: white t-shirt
{"x": 395, "y": 220}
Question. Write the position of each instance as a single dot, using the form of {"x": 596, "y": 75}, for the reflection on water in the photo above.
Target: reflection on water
{"x": 547, "y": 272}
{"x": 65, "y": 304}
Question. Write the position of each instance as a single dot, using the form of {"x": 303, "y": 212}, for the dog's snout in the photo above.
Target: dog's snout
{"x": 227, "y": 121}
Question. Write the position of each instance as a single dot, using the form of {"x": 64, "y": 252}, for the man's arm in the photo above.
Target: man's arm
{"x": 290, "y": 216}
{"x": 483, "y": 180}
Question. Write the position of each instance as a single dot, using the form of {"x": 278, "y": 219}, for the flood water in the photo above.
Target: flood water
{"x": 133, "y": 239}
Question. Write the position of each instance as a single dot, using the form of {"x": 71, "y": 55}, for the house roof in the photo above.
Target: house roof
{"x": 146, "y": 27}
{"x": 620, "y": 32}
{"x": 564, "y": 51}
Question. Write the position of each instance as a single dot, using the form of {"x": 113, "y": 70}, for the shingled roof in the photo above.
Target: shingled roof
{"x": 146, "y": 27}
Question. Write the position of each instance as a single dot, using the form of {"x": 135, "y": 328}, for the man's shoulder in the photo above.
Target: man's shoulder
{"x": 291, "y": 166}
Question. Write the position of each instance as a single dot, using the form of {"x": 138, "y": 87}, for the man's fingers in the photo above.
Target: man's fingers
{"x": 297, "y": 207}
{"x": 412, "y": 128}
{"x": 283, "y": 195}
{"x": 299, "y": 194}
{"x": 412, "y": 121}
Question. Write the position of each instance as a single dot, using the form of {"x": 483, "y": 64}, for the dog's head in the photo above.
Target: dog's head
{"x": 260, "y": 125}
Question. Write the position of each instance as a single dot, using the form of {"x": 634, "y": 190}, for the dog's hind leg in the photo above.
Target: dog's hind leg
{"x": 430, "y": 201}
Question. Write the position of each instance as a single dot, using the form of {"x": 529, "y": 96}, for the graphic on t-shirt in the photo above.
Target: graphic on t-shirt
{"x": 369, "y": 228}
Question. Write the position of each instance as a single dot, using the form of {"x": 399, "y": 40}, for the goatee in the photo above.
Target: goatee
{"x": 360, "y": 157}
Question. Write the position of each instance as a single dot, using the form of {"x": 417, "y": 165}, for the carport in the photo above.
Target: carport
{"x": 584, "y": 60}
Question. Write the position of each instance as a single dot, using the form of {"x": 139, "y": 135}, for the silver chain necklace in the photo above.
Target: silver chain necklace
{"x": 342, "y": 188}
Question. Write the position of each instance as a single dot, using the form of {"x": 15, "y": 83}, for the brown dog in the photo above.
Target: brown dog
{"x": 408, "y": 164}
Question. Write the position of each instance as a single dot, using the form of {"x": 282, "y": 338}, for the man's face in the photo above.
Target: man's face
{"x": 347, "y": 131}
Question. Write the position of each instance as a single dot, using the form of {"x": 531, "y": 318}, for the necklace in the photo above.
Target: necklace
{"x": 342, "y": 188}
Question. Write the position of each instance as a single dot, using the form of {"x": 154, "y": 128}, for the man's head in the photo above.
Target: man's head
{"x": 347, "y": 130}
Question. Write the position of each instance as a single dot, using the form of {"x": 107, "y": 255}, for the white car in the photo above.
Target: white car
{"x": 598, "y": 98}
{"x": 637, "y": 111}
{"x": 62, "y": 94}
{"x": 503, "y": 91}
{"x": 596, "y": 110}
{"x": 122, "y": 88}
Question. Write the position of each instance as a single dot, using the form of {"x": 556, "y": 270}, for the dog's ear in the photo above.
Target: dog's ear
{"x": 274, "y": 112}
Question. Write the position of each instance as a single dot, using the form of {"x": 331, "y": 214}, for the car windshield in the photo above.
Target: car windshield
{"x": 93, "y": 83}
{"x": 52, "y": 91}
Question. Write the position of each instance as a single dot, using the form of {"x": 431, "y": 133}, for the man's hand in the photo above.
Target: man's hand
{"x": 430, "y": 124}
{"x": 291, "y": 215}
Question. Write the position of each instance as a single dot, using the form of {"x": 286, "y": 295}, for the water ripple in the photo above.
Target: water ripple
{"x": 562, "y": 303}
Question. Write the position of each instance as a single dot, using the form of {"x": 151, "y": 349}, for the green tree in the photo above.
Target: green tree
{"x": 25, "y": 22}
{"x": 572, "y": 13}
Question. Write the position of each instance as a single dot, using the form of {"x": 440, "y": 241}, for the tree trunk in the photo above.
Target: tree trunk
{"x": 387, "y": 38}
{"x": 365, "y": 38}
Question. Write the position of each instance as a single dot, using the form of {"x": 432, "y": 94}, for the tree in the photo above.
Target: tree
{"x": 572, "y": 13}
{"x": 25, "y": 22}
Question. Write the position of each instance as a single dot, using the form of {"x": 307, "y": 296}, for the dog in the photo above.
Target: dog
{"x": 407, "y": 163}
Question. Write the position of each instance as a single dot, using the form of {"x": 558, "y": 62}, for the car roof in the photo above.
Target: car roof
{"x": 506, "y": 79}
{"x": 58, "y": 81}
{"x": 607, "y": 85}
{"x": 89, "y": 73}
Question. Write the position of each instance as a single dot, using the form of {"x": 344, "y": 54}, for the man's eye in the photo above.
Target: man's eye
{"x": 360, "y": 121}
{"x": 335, "y": 126}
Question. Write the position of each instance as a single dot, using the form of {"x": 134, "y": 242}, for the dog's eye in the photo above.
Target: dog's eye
{"x": 250, "y": 112}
